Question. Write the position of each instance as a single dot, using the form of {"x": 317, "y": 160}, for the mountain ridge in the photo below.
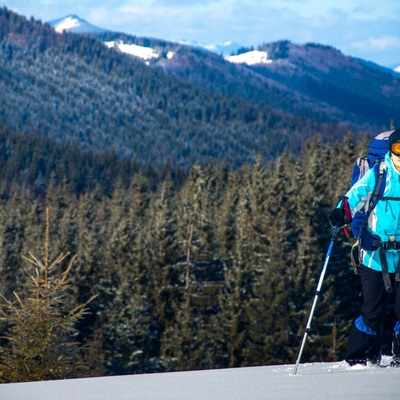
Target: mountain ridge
{"x": 308, "y": 77}
{"x": 78, "y": 91}
{"x": 226, "y": 48}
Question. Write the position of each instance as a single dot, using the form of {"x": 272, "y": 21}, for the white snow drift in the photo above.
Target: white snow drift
{"x": 327, "y": 381}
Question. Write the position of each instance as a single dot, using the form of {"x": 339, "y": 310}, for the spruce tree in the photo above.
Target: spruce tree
{"x": 40, "y": 333}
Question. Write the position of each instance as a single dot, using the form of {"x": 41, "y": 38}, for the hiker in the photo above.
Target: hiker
{"x": 379, "y": 255}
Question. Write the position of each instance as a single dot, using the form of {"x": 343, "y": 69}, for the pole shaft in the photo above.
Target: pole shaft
{"x": 317, "y": 293}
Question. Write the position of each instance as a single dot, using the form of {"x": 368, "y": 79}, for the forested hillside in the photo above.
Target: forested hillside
{"x": 217, "y": 271}
{"x": 75, "y": 90}
{"x": 315, "y": 81}
{"x": 347, "y": 87}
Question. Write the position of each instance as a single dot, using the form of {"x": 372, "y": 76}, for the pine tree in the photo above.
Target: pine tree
{"x": 271, "y": 314}
{"x": 317, "y": 199}
{"x": 41, "y": 329}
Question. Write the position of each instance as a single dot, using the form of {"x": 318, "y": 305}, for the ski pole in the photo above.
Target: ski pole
{"x": 317, "y": 293}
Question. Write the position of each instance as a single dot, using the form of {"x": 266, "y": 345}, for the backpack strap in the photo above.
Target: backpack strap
{"x": 360, "y": 168}
{"x": 380, "y": 176}
{"x": 363, "y": 235}
{"x": 385, "y": 271}
{"x": 377, "y": 194}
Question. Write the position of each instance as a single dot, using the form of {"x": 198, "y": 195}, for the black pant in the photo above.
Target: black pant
{"x": 363, "y": 344}
{"x": 376, "y": 297}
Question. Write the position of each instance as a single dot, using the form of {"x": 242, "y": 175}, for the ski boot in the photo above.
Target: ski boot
{"x": 364, "y": 345}
{"x": 395, "y": 362}
{"x": 356, "y": 361}
{"x": 396, "y": 346}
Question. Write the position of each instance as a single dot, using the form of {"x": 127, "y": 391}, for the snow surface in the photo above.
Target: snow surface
{"x": 67, "y": 23}
{"x": 327, "y": 381}
{"x": 146, "y": 53}
{"x": 250, "y": 58}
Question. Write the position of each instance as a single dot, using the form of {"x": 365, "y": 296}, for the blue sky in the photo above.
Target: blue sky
{"x": 369, "y": 29}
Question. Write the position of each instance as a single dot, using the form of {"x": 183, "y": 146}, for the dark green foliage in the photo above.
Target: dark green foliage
{"x": 215, "y": 269}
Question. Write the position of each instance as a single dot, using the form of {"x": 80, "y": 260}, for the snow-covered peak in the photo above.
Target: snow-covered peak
{"x": 250, "y": 58}
{"x": 145, "y": 53}
{"x": 397, "y": 69}
{"x": 72, "y": 23}
{"x": 68, "y": 23}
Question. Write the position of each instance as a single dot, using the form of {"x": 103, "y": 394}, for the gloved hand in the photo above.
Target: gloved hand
{"x": 337, "y": 217}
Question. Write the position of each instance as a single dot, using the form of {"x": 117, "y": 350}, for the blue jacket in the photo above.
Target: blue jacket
{"x": 384, "y": 220}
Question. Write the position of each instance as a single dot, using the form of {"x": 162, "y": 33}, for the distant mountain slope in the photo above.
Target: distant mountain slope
{"x": 310, "y": 80}
{"x": 74, "y": 89}
{"x": 395, "y": 71}
{"x": 324, "y": 74}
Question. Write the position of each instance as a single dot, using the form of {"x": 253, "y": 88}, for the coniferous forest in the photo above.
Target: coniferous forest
{"x": 215, "y": 269}
{"x": 148, "y": 225}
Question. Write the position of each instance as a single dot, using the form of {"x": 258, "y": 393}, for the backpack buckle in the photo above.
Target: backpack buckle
{"x": 391, "y": 244}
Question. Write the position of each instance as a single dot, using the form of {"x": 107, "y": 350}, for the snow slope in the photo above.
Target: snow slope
{"x": 146, "y": 53}
{"x": 327, "y": 381}
{"x": 251, "y": 58}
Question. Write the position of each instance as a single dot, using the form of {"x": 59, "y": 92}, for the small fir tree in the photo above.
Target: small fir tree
{"x": 39, "y": 343}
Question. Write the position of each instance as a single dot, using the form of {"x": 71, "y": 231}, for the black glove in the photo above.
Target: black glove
{"x": 337, "y": 217}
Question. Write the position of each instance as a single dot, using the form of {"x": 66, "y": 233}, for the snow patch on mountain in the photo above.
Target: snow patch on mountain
{"x": 397, "y": 69}
{"x": 250, "y": 58}
{"x": 145, "y": 53}
{"x": 67, "y": 23}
